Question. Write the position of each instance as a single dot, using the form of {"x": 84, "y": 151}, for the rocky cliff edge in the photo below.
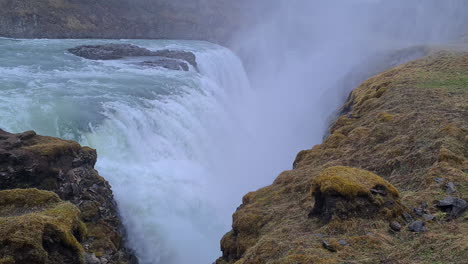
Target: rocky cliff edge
{"x": 54, "y": 206}
{"x": 388, "y": 185}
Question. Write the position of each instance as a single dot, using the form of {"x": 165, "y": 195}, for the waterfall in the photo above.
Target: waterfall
{"x": 181, "y": 148}
{"x": 168, "y": 141}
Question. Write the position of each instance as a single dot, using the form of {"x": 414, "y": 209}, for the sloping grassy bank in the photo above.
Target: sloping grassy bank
{"x": 407, "y": 125}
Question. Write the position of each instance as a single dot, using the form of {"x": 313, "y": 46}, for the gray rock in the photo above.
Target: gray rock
{"x": 343, "y": 242}
{"x": 428, "y": 217}
{"x": 169, "y": 59}
{"x": 408, "y": 218}
{"x": 179, "y": 55}
{"x": 456, "y": 207}
{"x": 109, "y": 51}
{"x": 319, "y": 235}
{"x": 91, "y": 259}
{"x": 450, "y": 187}
{"x": 418, "y": 211}
{"x": 395, "y": 226}
{"x": 417, "y": 226}
{"x": 439, "y": 180}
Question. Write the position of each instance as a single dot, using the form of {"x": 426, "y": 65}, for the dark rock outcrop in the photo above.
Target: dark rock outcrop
{"x": 417, "y": 226}
{"x": 109, "y": 51}
{"x": 178, "y": 55}
{"x": 169, "y": 59}
{"x": 455, "y": 207}
{"x": 64, "y": 167}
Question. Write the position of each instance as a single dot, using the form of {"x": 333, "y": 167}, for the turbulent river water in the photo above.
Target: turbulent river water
{"x": 162, "y": 136}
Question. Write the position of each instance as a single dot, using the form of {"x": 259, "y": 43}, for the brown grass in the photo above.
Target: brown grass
{"x": 407, "y": 125}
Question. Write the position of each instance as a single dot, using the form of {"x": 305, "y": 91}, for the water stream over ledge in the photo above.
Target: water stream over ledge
{"x": 159, "y": 134}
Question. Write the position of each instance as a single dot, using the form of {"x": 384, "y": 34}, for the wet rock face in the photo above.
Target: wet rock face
{"x": 179, "y": 55}
{"x": 169, "y": 59}
{"x": 165, "y": 63}
{"x": 64, "y": 167}
{"x": 109, "y": 51}
{"x": 344, "y": 192}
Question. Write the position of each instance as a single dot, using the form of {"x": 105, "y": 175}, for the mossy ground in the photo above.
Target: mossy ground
{"x": 37, "y": 227}
{"x": 408, "y": 125}
{"x": 349, "y": 182}
{"x": 52, "y": 147}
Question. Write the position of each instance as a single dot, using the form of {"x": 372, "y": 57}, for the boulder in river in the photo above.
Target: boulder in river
{"x": 109, "y": 51}
{"x": 170, "y": 59}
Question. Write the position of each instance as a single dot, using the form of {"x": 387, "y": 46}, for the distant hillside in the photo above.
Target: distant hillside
{"x": 177, "y": 19}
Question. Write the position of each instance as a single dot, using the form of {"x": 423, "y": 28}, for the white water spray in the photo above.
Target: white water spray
{"x": 181, "y": 148}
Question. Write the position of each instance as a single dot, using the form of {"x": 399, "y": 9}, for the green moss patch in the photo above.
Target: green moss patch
{"x": 52, "y": 147}
{"x": 349, "y": 182}
{"x": 44, "y": 229}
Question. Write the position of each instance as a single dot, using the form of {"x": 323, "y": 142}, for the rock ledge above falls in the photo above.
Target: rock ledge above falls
{"x": 65, "y": 198}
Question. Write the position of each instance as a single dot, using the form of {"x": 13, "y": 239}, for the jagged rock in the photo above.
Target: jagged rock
{"x": 346, "y": 192}
{"x": 37, "y": 227}
{"x": 170, "y": 59}
{"x": 456, "y": 207}
{"x": 417, "y": 226}
{"x": 64, "y": 167}
{"x": 395, "y": 226}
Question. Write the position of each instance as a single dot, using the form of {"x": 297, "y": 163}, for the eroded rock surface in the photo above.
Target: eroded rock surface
{"x": 64, "y": 167}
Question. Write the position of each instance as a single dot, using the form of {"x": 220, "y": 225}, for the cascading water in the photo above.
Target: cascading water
{"x": 181, "y": 148}
{"x": 160, "y": 134}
